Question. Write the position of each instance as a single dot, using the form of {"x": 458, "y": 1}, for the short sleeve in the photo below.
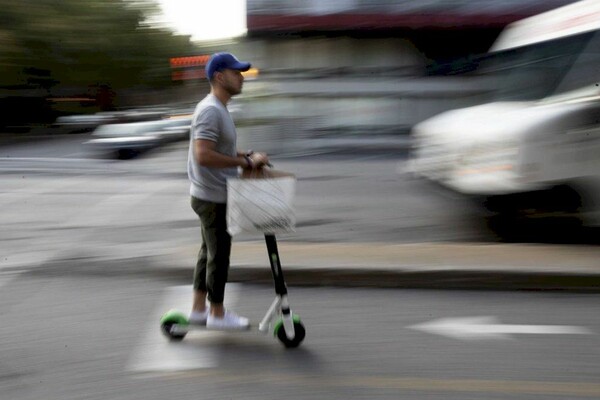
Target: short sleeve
{"x": 206, "y": 125}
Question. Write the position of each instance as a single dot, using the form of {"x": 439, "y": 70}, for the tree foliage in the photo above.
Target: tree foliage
{"x": 58, "y": 44}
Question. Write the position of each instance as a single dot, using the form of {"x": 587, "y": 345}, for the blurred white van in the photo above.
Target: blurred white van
{"x": 536, "y": 150}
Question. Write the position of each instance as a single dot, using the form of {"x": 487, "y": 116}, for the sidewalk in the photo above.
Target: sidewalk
{"x": 423, "y": 265}
{"x": 490, "y": 266}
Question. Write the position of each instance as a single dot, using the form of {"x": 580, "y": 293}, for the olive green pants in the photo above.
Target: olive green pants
{"x": 212, "y": 267}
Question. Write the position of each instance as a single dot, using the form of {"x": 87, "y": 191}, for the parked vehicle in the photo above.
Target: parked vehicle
{"x": 130, "y": 139}
{"x": 536, "y": 151}
{"x": 83, "y": 123}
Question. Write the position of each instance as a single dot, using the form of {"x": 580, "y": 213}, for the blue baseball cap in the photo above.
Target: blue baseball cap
{"x": 221, "y": 61}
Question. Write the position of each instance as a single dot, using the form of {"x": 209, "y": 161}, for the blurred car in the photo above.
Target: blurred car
{"x": 88, "y": 122}
{"x": 83, "y": 123}
{"x": 130, "y": 139}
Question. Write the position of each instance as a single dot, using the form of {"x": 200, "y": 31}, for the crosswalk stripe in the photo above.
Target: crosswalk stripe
{"x": 118, "y": 207}
{"x": 156, "y": 354}
{"x": 133, "y": 203}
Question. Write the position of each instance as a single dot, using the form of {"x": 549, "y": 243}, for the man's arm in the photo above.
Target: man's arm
{"x": 207, "y": 156}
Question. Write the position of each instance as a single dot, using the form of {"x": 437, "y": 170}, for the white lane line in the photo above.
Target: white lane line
{"x": 156, "y": 354}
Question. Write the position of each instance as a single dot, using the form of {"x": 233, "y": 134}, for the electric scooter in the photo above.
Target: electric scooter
{"x": 279, "y": 318}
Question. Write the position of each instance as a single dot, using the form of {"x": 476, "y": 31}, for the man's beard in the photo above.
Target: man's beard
{"x": 232, "y": 90}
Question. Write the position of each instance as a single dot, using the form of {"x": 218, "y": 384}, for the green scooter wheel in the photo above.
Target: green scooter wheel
{"x": 169, "y": 320}
{"x": 299, "y": 332}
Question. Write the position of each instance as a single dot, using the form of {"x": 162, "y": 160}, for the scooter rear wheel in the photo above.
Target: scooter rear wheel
{"x": 166, "y": 329}
{"x": 171, "y": 318}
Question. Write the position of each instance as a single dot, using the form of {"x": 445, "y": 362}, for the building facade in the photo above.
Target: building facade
{"x": 367, "y": 67}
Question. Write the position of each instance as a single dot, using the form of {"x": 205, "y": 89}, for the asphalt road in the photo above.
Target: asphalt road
{"x": 339, "y": 198}
{"x": 346, "y": 196}
{"x": 68, "y": 335}
{"x": 62, "y": 202}
{"x": 71, "y": 331}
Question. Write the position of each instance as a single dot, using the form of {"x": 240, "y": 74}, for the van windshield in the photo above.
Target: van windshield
{"x": 544, "y": 69}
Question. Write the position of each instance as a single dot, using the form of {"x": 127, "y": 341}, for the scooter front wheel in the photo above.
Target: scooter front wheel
{"x": 299, "y": 333}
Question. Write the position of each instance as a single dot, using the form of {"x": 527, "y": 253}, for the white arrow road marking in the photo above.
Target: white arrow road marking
{"x": 491, "y": 328}
{"x": 156, "y": 354}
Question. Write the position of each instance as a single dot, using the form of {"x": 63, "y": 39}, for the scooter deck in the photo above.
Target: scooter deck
{"x": 185, "y": 328}
{"x": 176, "y": 326}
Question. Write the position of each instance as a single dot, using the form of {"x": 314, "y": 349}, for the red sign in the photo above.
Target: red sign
{"x": 193, "y": 61}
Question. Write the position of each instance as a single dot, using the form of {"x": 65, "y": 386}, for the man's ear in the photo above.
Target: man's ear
{"x": 218, "y": 76}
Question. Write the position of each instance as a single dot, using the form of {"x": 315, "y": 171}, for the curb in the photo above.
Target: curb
{"x": 422, "y": 265}
{"x": 354, "y": 277}
{"x": 418, "y": 266}
{"x": 454, "y": 279}
{"x": 399, "y": 279}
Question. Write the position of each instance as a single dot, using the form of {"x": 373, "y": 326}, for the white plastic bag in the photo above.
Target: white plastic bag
{"x": 263, "y": 205}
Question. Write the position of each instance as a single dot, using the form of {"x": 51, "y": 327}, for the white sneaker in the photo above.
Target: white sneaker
{"x": 229, "y": 321}
{"x": 199, "y": 318}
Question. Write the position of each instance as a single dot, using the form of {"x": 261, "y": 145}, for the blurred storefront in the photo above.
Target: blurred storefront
{"x": 368, "y": 66}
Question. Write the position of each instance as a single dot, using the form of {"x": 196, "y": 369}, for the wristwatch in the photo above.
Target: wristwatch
{"x": 248, "y": 159}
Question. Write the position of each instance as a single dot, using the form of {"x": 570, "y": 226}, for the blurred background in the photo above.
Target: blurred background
{"x": 437, "y": 144}
{"x": 325, "y": 66}
{"x": 344, "y": 76}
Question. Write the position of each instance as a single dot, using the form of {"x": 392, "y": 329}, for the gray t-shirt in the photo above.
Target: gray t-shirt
{"x": 211, "y": 121}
